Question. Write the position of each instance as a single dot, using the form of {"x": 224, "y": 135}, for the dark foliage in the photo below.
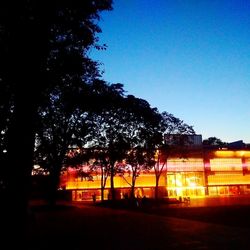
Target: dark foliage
{"x": 43, "y": 45}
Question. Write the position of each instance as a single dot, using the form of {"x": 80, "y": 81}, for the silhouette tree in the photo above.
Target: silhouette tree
{"x": 140, "y": 125}
{"x": 5, "y": 111}
{"x": 171, "y": 140}
{"x": 42, "y": 41}
{"x": 138, "y": 160}
{"x": 101, "y": 165}
{"x": 106, "y": 135}
{"x": 121, "y": 128}
{"x": 65, "y": 124}
{"x": 61, "y": 122}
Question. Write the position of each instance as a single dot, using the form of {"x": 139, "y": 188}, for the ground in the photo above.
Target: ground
{"x": 76, "y": 226}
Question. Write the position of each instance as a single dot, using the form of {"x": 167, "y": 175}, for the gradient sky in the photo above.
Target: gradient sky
{"x": 190, "y": 58}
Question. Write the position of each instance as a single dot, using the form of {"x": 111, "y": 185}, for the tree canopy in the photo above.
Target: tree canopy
{"x": 53, "y": 97}
{"x": 44, "y": 47}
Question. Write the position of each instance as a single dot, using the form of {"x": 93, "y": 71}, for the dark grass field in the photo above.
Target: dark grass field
{"x": 229, "y": 215}
{"x": 78, "y": 225}
{"x": 234, "y": 215}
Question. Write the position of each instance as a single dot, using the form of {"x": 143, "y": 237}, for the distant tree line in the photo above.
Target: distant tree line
{"x": 214, "y": 141}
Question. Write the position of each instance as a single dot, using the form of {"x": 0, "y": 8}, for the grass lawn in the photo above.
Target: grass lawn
{"x": 229, "y": 215}
{"x": 238, "y": 215}
{"x": 75, "y": 226}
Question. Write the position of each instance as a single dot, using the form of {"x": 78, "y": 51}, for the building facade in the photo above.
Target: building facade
{"x": 204, "y": 172}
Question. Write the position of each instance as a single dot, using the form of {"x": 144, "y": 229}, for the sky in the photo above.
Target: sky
{"x": 190, "y": 58}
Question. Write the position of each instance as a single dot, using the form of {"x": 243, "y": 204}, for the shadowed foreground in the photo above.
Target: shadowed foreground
{"x": 82, "y": 227}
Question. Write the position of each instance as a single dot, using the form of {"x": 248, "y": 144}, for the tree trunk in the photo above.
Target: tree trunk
{"x": 102, "y": 193}
{"x": 102, "y": 184}
{"x": 112, "y": 187}
{"x": 20, "y": 162}
{"x": 132, "y": 195}
{"x": 157, "y": 177}
{"x": 132, "y": 192}
{"x": 23, "y": 75}
{"x": 54, "y": 179}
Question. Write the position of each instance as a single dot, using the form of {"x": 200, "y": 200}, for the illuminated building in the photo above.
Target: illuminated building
{"x": 204, "y": 172}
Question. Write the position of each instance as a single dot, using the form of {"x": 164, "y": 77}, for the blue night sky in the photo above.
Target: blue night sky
{"x": 190, "y": 58}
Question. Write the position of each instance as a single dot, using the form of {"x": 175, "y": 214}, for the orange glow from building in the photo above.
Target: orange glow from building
{"x": 221, "y": 172}
{"x": 144, "y": 180}
{"x": 226, "y": 164}
{"x": 231, "y": 154}
{"x": 190, "y": 164}
{"x": 228, "y": 179}
{"x": 185, "y": 184}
